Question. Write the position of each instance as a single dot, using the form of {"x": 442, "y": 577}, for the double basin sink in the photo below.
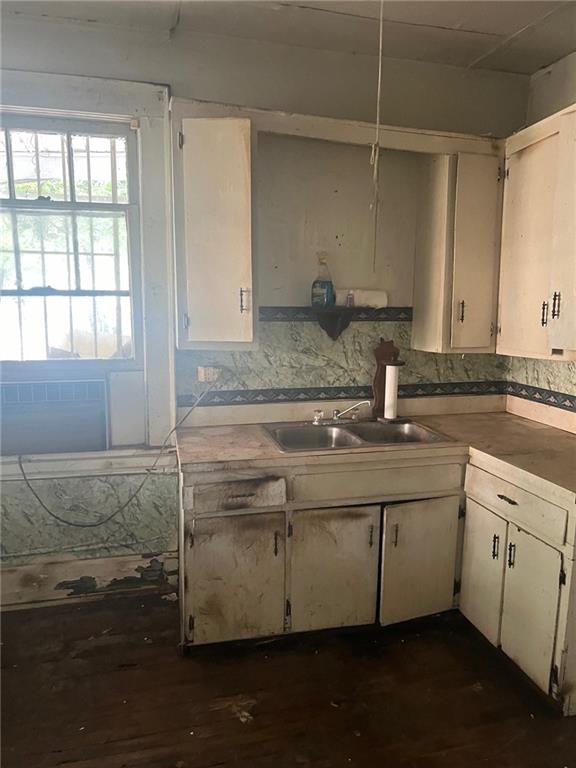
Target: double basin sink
{"x": 321, "y": 437}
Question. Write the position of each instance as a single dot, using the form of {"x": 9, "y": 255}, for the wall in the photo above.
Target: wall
{"x": 317, "y": 196}
{"x": 552, "y": 89}
{"x": 258, "y": 74}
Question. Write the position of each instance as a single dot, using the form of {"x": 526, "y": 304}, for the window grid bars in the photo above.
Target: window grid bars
{"x": 72, "y": 206}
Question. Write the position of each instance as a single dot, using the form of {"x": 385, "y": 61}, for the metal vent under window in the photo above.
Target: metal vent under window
{"x": 53, "y": 417}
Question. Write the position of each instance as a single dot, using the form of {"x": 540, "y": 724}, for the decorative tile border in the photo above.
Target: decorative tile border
{"x": 307, "y": 394}
{"x": 540, "y": 395}
{"x": 20, "y": 393}
{"x": 359, "y": 314}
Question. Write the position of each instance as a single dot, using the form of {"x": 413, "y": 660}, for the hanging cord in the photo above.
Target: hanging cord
{"x": 375, "y": 153}
{"x": 131, "y": 498}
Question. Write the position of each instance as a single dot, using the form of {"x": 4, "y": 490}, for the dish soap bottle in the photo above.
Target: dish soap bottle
{"x": 322, "y": 288}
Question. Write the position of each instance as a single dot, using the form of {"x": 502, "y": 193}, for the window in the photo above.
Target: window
{"x": 68, "y": 219}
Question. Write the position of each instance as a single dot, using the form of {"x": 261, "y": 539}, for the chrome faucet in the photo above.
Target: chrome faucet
{"x": 336, "y": 414}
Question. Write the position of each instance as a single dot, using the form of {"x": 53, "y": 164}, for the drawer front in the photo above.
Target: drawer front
{"x": 532, "y": 513}
{"x": 380, "y": 483}
{"x": 237, "y": 494}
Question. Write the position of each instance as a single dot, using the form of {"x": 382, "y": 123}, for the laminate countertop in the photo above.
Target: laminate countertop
{"x": 543, "y": 451}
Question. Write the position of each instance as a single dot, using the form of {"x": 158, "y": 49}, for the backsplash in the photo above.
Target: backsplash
{"x": 296, "y": 360}
{"x": 300, "y": 355}
{"x": 546, "y": 374}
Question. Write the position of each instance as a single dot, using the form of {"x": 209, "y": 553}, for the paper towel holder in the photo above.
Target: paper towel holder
{"x": 387, "y": 356}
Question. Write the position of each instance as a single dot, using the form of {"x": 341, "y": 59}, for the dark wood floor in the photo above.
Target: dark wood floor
{"x": 102, "y": 686}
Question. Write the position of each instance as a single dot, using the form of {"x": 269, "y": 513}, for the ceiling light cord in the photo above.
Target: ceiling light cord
{"x": 375, "y": 153}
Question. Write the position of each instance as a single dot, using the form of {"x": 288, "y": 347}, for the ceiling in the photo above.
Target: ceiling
{"x": 508, "y": 35}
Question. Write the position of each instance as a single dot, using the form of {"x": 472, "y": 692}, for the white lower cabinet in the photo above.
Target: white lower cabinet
{"x": 237, "y": 573}
{"x": 483, "y": 563}
{"x": 418, "y": 558}
{"x": 530, "y": 606}
{"x": 510, "y": 590}
{"x": 334, "y": 567}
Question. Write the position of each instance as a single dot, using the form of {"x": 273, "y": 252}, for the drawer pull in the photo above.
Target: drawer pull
{"x": 495, "y": 547}
{"x": 511, "y": 555}
{"x": 507, "y": 499}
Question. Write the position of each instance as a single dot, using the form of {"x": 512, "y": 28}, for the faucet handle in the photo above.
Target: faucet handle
{"x": 318, "y": 416}
{"x": 335, "y": 414}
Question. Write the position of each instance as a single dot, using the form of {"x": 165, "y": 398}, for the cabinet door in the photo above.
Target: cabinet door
{"x": 213, "y": 214}
{"x": 334, "y": 567}
{"x": 483, "y": 563}
{"x": 530, "y": 609}
{"x": 236, "y": 577}
{"x": 419, "y": 558}
{"x": 526, "y": 254}
{"x": 476, "y": 252}
{"x": 562, "y": 322}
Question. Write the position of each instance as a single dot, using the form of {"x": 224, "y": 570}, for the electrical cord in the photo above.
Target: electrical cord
{"x": 133, "y": 495}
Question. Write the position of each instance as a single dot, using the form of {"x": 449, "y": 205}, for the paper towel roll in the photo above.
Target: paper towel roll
{"x": 363, "y": 297}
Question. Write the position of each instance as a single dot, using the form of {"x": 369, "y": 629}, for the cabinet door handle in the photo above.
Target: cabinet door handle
{"x": 495, "y": 547}
{"x": 544, "y": 317}
{"x": 556, "y": 305}
{"x": 507, "y": 499}
{"x": 275, "y": 543}
{"x": 462, "y": 306}
{"x": 243, "y": 305}
{"x": 511, "y": 555}
{"x": 371, "y": 536}
{"x": 395, "y": 540}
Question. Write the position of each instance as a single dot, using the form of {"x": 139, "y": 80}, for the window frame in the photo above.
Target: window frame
{"x": 107, "y": 126}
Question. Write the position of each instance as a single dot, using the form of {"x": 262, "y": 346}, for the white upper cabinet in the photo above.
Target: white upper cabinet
{"x": 537, "y": 313}
{"x": 213, "y": 230}
{"x": 457, "y": 246}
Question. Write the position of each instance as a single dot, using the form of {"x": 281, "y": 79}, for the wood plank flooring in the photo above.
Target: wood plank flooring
{"x": 101, "y": 686}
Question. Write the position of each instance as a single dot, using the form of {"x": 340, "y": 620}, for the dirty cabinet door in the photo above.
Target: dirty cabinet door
{"x": 236, "y": 577}
{"x": 334, "y": 567}
{"x": 418, "y": 558}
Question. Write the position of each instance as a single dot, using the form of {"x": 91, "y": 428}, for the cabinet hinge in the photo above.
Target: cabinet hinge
{"x": 562, "y": 577}
{"x": 456, "y": 590}
{"x": 461, "y": 511}
{"x": 290, "y": 530}
{"x": 180, "y": 139}
{"x": 288, "y": 608}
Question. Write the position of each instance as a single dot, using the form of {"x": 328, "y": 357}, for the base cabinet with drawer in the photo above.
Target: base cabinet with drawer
{"x": 518, "y": 577}
{"x": 510, "y": 590}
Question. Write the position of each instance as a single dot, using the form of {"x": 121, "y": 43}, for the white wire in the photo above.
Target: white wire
{"x": 375, "y": 153}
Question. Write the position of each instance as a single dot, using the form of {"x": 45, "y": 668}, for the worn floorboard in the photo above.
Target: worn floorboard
{"x": 101, "y": 686}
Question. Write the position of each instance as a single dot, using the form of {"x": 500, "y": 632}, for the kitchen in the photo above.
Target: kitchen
{"x": 216, "y": 480}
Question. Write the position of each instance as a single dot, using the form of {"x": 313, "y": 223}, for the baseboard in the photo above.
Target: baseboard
{"x": 545, "y": 414}
{"x": 48, "y": 580}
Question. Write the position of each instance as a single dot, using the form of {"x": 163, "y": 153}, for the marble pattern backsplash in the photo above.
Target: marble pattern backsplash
{"x": 300, "y": 354}
{"x": 147, "y": 525}
{"x": 547, "y": 374}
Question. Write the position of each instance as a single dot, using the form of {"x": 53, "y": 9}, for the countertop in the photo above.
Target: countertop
{"x": 543, "y": 451}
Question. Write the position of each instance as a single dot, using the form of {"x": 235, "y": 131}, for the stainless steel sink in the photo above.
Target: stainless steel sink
{"x": 308, "y": 437}
{"x": 312, "y": 437}
{"x": 394, "y": 432}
